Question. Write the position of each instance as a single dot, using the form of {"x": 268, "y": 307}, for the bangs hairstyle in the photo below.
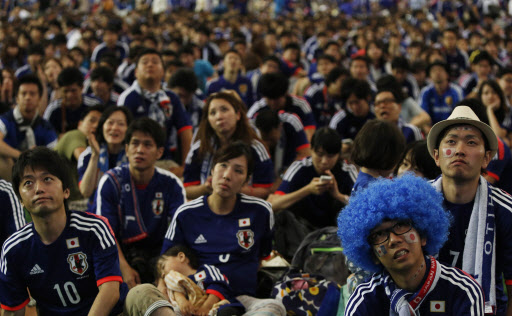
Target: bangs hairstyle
{"x": 378, "y": 145}
{"x": 104, "y": 117}
{"x": 234, "y": 150}
{"x": 407, "y": 197}
{"x": 327, "y": 139}
{"x": 40, "y": 158}
{"x": 149, "y": 127}
{"x": 205, "y": 132}
{"x": 420, "y": 159}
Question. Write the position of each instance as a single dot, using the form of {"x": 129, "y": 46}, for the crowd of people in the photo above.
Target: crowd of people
{"x": 146, "y": 143}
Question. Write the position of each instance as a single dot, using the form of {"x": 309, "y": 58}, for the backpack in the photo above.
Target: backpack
{"x": 320, "y": 253}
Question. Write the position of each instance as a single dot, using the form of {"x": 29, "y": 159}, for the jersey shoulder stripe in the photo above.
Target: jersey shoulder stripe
{"x": 296, "y": 166}
{"x": 18, "y": 237}
{"x": 87, "y": 222}
{"x": 17, "y": 209}
{"x": 260, "y": 150}
{"x": 337, "y": 118}
{"x": 187, "y": 206}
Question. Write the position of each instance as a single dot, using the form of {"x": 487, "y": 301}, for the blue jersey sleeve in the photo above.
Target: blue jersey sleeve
{"x": 12, "y": 216}
{"x": 174, "y": 235}
{"x": 192, "y": 172}
{"x": 180, "y": 117}
{"x": 13, "y": 289}
{"x": 83, "y": 162}
{"x": 108, "y": 201}
{"x": 263, "y": 165}
{"x": 268, "y": 236}
{"x": 289, "y": 183}
{"x": 214, "y": 282}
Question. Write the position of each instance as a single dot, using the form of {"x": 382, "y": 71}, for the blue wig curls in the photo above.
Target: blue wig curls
{"x": 407, "y": 197}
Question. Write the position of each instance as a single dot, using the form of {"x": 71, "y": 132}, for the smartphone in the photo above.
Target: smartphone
{"x": 325, "y": 178}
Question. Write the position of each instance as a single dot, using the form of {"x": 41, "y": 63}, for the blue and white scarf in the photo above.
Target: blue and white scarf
{"x": 479, "y": 257}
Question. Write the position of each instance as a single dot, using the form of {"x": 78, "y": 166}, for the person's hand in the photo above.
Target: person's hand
{"x": 130, "y": 276}
{"x": 95, "y": 147}
{"x": 318, "y": 187}
{"x": 41, "y": 76}
{"x": 201, "y": 311}
{"x": 494, "y": 105}
{"x": 186, "y": 308}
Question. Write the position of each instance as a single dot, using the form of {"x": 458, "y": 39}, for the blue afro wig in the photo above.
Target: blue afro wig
{"x": 407, "y": 197}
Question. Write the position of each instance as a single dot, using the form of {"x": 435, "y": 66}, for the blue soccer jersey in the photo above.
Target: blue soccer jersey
{"x": 293, "y": 138}
{"x": 15, "y": 135}
{"x": 324, "y": 106}
{"x": 62, "y": 277}
{"x": 439, "y": 107}
{"x": 293, "y": 105}
{"x": 196, "y": 172}
{"x": 453, "y": 292}
{"x": 12, "y": 215}
{"x": 320, "y": 210}
{"x": 166, "y": 109}
{"x": 53, "y": 113}
{"x": 242, "y": 86}
{"x": 411, "y": 133}
{"x": 500, "y": 167}
{"x": 120, "y": 50}
{"x": 347, "y": 125}
{"x": 210, "y": 279}
{"x": 234, "y": 243}
{"x": 135, "y": 213}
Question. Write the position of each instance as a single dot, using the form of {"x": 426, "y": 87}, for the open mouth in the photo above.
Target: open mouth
{"x": 401, "y": 253}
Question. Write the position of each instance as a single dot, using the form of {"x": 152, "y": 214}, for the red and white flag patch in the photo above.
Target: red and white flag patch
{"x": 437, "y": 306}
{"x": 244, "y": 222}
{"x": 72, "y": 243}
{"x": 411, "y": 237}
{"x": 200, "y": 276}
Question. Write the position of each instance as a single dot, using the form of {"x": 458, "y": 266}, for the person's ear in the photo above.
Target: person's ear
{"x": 436, "y": 157}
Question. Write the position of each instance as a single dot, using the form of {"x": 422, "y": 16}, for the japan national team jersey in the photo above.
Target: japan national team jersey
{"x": 242, "y": 86}
{"x": 439, "y": 107}
{"x": 234, "y": 242}
{"x": 15, "y": 134}
{"x": 62, "y": 277}
{"x": 324, "y": 106}
{"x": 453, "y": 293}
{"x": 347, "y": 125}
{"x": 12, "y": 217}
{"x": 293, "y": 105}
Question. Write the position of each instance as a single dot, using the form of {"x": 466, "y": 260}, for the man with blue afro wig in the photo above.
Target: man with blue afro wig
{"x": 392, "y": 228}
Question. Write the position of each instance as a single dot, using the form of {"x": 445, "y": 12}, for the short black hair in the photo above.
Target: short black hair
{"x": 189, "y": 253}
{"x": 400, "y": 62}
{"x": 273, "y": 85}
{"x": 40, "y": 158}
{"x": 267, "y": 120}
{"x": 504, "y": 71}
{"x": 30, "y": 79}
{"x": 184, "y": 78}
{"x": 334, "y": 74}
{"x": 378, "y": 145}
{"x": 110, "y": 59}
{"x": 360, "y": 88}
{"x": 104, "y": 117}
{"x": 69, "y": 76}
{"x": 362, "y": 58}
{"x": 102, "y": 73}
{"x": 327, "y": 139}
{"x": 234, "y": 51}
{"x": 149, "y": 127}
{"x": 148, "y": 51}
{"x": 389, "y": 83}
{"x": 35, "y": 49}
{"x": 326, "y": 57}
{"x": 89, "y": 109}
{"x": 477, "y": 56}
{"x": 234, "y": 150}
{"x": 273, "y": 58}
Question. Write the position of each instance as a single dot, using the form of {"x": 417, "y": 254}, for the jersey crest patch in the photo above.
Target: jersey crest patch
{"x": 158, "y": 206}
{"x": 78, "y": 263}
{"x": 243, "y": 88}
{"x": 245, "y": 238}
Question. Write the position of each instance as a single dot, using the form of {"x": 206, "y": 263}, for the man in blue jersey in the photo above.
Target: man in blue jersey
{"x": 479, "y": 243}
{"x": 439, "y": 98}
{"x": 146, "y": 97}
{"x": 111, "y": 44}
{"x": 67, "y": 260}
{"x": 139, "y": 200}
{"x": 392, "y": 228}
{"x": 22, "y": 127}
{"x": 12, "y": 217}
{"x": 231, "y": 79}
{"x": 388, "y": 109}
{"x": 229, "y": 230}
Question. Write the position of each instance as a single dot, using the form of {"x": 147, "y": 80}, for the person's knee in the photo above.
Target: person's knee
{"x": 146, "y": 299}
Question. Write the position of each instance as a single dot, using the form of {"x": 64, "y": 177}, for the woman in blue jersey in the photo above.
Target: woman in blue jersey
{"x": 223, "y": 122}
{"x": 498, "y": 111}
{"x": 105, "y": 150}
{"x": 229, "y": 230}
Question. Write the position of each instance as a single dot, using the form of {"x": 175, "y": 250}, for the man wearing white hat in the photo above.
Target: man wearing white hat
{"x": 479, "y": 241}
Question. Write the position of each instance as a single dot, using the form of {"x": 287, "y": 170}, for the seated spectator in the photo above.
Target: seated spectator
{"x": 35, "y": 54}
{"x": 388, "y": 108}
{"x": 270, "y": 64}
{"x": 139, "y": 201}
{"x": 356, "y": 94}
{"x": 273, "y": 88}
{"x": 12, "y": 216}
{"x": 498, "y": 112}
{"x": 315, "y": 188}
{"x": 232, "y": 79}
{"x": 283, "y": 134}
{"x": 110, "y": 44}
{"x": 376, "y": 159}
{"x": 246, "y": 222}
{"x": 375, "y": 53}
{"x": 225, "y": 121}
{"x": 101, "y": 85}
{"x": 52, "y": 68}
{"x": 202, "y": 68}
{"x": 360, "y": 69}
{"x": 72, "y": 144}
{"x": 417, "y": 160}
{"x": 192, "y": 288}
{"x": 324, "y": 64}
{"x": 400, "y": 70}
{"x": 456, "y": 59}
{"x": 439, "y": 98}
{"x": 393, "y": 228}
{"x": 106, "y": 150}
{"x": 184, "y": 84}
{"x": 146, "y": 97}
{"x": 504, "y": 78}
{"x": 481, "y": 65}
{"x": 22, "y": 128}
{"x": 325, "y": 97}
{"x": 65, "y": 113}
